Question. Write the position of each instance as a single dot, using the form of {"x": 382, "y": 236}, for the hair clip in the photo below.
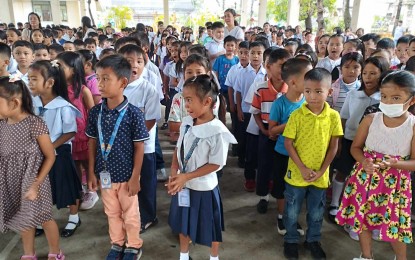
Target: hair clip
{"x": 14, "y": 78}
{"x": 304, "y": 55}
{"x": 54, "y": 63}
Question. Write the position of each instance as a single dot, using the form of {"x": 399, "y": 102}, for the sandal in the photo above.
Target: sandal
{"x": 31, "y": 257}
{"x": 59, "y": 256}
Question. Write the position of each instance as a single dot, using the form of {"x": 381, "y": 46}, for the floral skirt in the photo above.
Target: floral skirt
{"x": 380, "y": 201}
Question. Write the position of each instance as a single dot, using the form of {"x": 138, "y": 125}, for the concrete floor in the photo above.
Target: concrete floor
{"x": 248, "y": 234}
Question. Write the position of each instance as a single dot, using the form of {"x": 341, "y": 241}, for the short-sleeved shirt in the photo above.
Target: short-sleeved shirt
{"x": 222, "y": 66}
{"x": 311, "y": 135}
{"x": 154, "y": 80}
{"x": 231, "y": 77}
{"x": 166, "y": 72}
{"x": 328, "y": 63}
{"x": 244, "y": 80}
{"x": 132, "y": 129}
{"x": 265, "y": 95}
{"x": 212, "y": 148}
{"x": 342, "y": 89}
{"x": 59, "y": 115}
{"x": 213, "y": 47}
{"x": 92, "y": 84}
{"x": 236, "y": 32}
{"x": 353, "y": 109}
{"x": 154, "y": 69}
{"x": 172, "y": 73}
{"x": 143, "y": 95}
{"x": 281, "y": 111}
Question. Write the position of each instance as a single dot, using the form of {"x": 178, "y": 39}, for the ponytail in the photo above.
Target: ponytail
{"x": 10, "y": 88}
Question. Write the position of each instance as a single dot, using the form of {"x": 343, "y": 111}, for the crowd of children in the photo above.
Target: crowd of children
{"x": 79, "y": 111}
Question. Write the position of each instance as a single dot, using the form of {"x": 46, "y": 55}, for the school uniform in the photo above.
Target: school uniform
{"x": 121, "y": 209}
{"x": 143, "y": 95}
{"x": 214, "y": 47}
{"x": 172, "y": 73}
{"x": 60, "y": 117}
{"x": 24, "y": 77}
{"x": 328, "y": 63}
{"x": 203, "y": 221}
{"x": 152, "y": 74}
{"x": 244, "y": 81}
{"x": 265, "y": 94}
{"x": 172, "y": 89}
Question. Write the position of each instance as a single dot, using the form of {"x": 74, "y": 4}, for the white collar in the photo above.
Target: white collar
{"x": 136, "y": 82}
{"x": 362, "y": 94}
{"x": 261, "y": 69}
{"x": 57, "y": 102}
{"x": 209, "y": 129}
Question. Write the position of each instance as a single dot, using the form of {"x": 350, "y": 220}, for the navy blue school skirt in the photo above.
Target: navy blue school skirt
{"x": 202, "y": 221}
{"x": 65, "y": 183}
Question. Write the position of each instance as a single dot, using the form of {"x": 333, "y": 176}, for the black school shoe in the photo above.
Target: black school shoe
{"x": 316, "y": 251}
{"x": 291, "y": 251}
{"x": 69, "y": 232}
{"x": 262, "y": 206}
{"x": 39, "y": 232}
{"x": 146, "y": 226}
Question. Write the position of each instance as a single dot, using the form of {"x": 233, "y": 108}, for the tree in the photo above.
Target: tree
{"x": 90, "y": 12}
{"x": 347, "y": 17}
{"x": 308, "y": 9}
{"x": 121, "y": 15}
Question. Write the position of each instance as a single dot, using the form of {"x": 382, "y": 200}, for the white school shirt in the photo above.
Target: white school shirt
{"x": 252, "y": 127}
{"x": 328, "y": 63}
{"x": 166, "y": 72}
{"x": 231, "y": 77}
{"x": 213, "y": 47}
{"x": 180, "y": 77}
{"x": 24, "y": 77}
{"x": 153, "y": 68}
{"x": 154, "y": 80}
{"x": 143, "y": 95}
{"x": 212, "y": 148}
{"x": 59, "y": 115}
{"x": 353, "y": 109}
{"x": 178, "y": 109}
{"x": 244, "y": 80}
{"x": 236, "y": 32}
{"x": 12, "y": 68}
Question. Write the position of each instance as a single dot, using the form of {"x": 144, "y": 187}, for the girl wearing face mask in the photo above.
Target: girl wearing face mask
{"x": 378, "y": 193}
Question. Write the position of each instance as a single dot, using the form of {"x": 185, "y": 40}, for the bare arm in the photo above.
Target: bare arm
{"x": 274, "y": 128}
{"x": 134, "y": 181}
{"x": 150, "y": 124}
{"x": 331, "y": 153}
{"x": 63, "y": 139}
{"x": 292, "y": 152}
{"x": 92, "y": 153}
{"x": 239, "y": 106}
{"x": 87, "y": 98}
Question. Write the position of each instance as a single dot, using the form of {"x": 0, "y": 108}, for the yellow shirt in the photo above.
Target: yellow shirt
{"x": 311, "y": 134}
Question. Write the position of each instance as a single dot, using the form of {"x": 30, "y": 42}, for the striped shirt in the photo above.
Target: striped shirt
{"x": 265, "y": 95}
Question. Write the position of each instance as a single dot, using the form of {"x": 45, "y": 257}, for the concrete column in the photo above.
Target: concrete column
{"x": 7, "y": 12}
{"x": 262, "y": 12}
{"x": 166, "y": 12}
{"x": 293, "y": 12}
{"x": 82, "y": 8}
{"x": 244, "y": 12}
{"x": 56, "y": 11}
{"x": 362, "y": 15}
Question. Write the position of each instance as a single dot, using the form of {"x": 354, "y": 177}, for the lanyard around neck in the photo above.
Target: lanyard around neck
{"x": 105, "y": 150}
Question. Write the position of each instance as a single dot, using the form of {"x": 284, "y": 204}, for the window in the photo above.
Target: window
{"x": 64, "y": 11}
{"x": 43, "y": 9}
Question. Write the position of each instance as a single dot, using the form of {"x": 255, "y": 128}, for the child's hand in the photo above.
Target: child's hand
{"x": 315, "y": 175}
{"x": 92, "y": 183}
{"x": 307, "y": 173}
{"x": 176, "y": 183}
{"x": 240, "y": 115}
{"x": 32, "y": 192}
{"x": 369, "y": 166}
{"x": 265, "y": 132}
{"x": 273, "y": 137}
{"x": 133, "y": 187}
{"x": 388, "y": 163}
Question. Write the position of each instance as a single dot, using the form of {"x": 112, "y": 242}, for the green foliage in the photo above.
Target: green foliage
{"x": 121, "y": 15}
{"x": 278, "y": 9}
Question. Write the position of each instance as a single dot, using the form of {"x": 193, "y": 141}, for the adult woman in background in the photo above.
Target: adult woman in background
{"x": 232, "y": 27}
{"x": 34, "y": 23}
{"x": 86, "y": 26}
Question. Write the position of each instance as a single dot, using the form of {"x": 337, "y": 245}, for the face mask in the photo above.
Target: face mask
{"x": 393, "y": 110}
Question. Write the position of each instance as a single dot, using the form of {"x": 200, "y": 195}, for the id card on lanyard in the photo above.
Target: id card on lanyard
{"x": 184, "y": 194}
{"x": 105, "y": 176}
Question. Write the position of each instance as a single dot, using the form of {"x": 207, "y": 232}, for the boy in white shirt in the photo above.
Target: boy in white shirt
{"x": 144, "y": 95}
{"x": 215, "y": 47}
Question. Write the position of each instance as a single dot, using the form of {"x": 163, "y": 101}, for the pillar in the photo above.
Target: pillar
{"x": 262, "y": 12}
{"x": 56, "y": 11}
{"x": 7, "y": 12}
{"x": 363, "y": 14}
{"x": 244, "y": 13}
{"x": 293, "y": 12}
{"x": 166, "y": 12}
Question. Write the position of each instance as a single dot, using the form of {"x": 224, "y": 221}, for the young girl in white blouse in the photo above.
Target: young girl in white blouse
{"x": 51, "y": 103}
{"x": 201, "y": 151}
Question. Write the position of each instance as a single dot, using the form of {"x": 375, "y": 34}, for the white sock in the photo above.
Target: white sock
{"x": 336, "y": 194}
{"x": 74, "y": 219}
{"x": 279, "y": 216}
{"x": 264, "y": 197}
{"x": 39, "y": 227}
{"x": 184, "y": 256}
{"x": 214, "y": 257}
